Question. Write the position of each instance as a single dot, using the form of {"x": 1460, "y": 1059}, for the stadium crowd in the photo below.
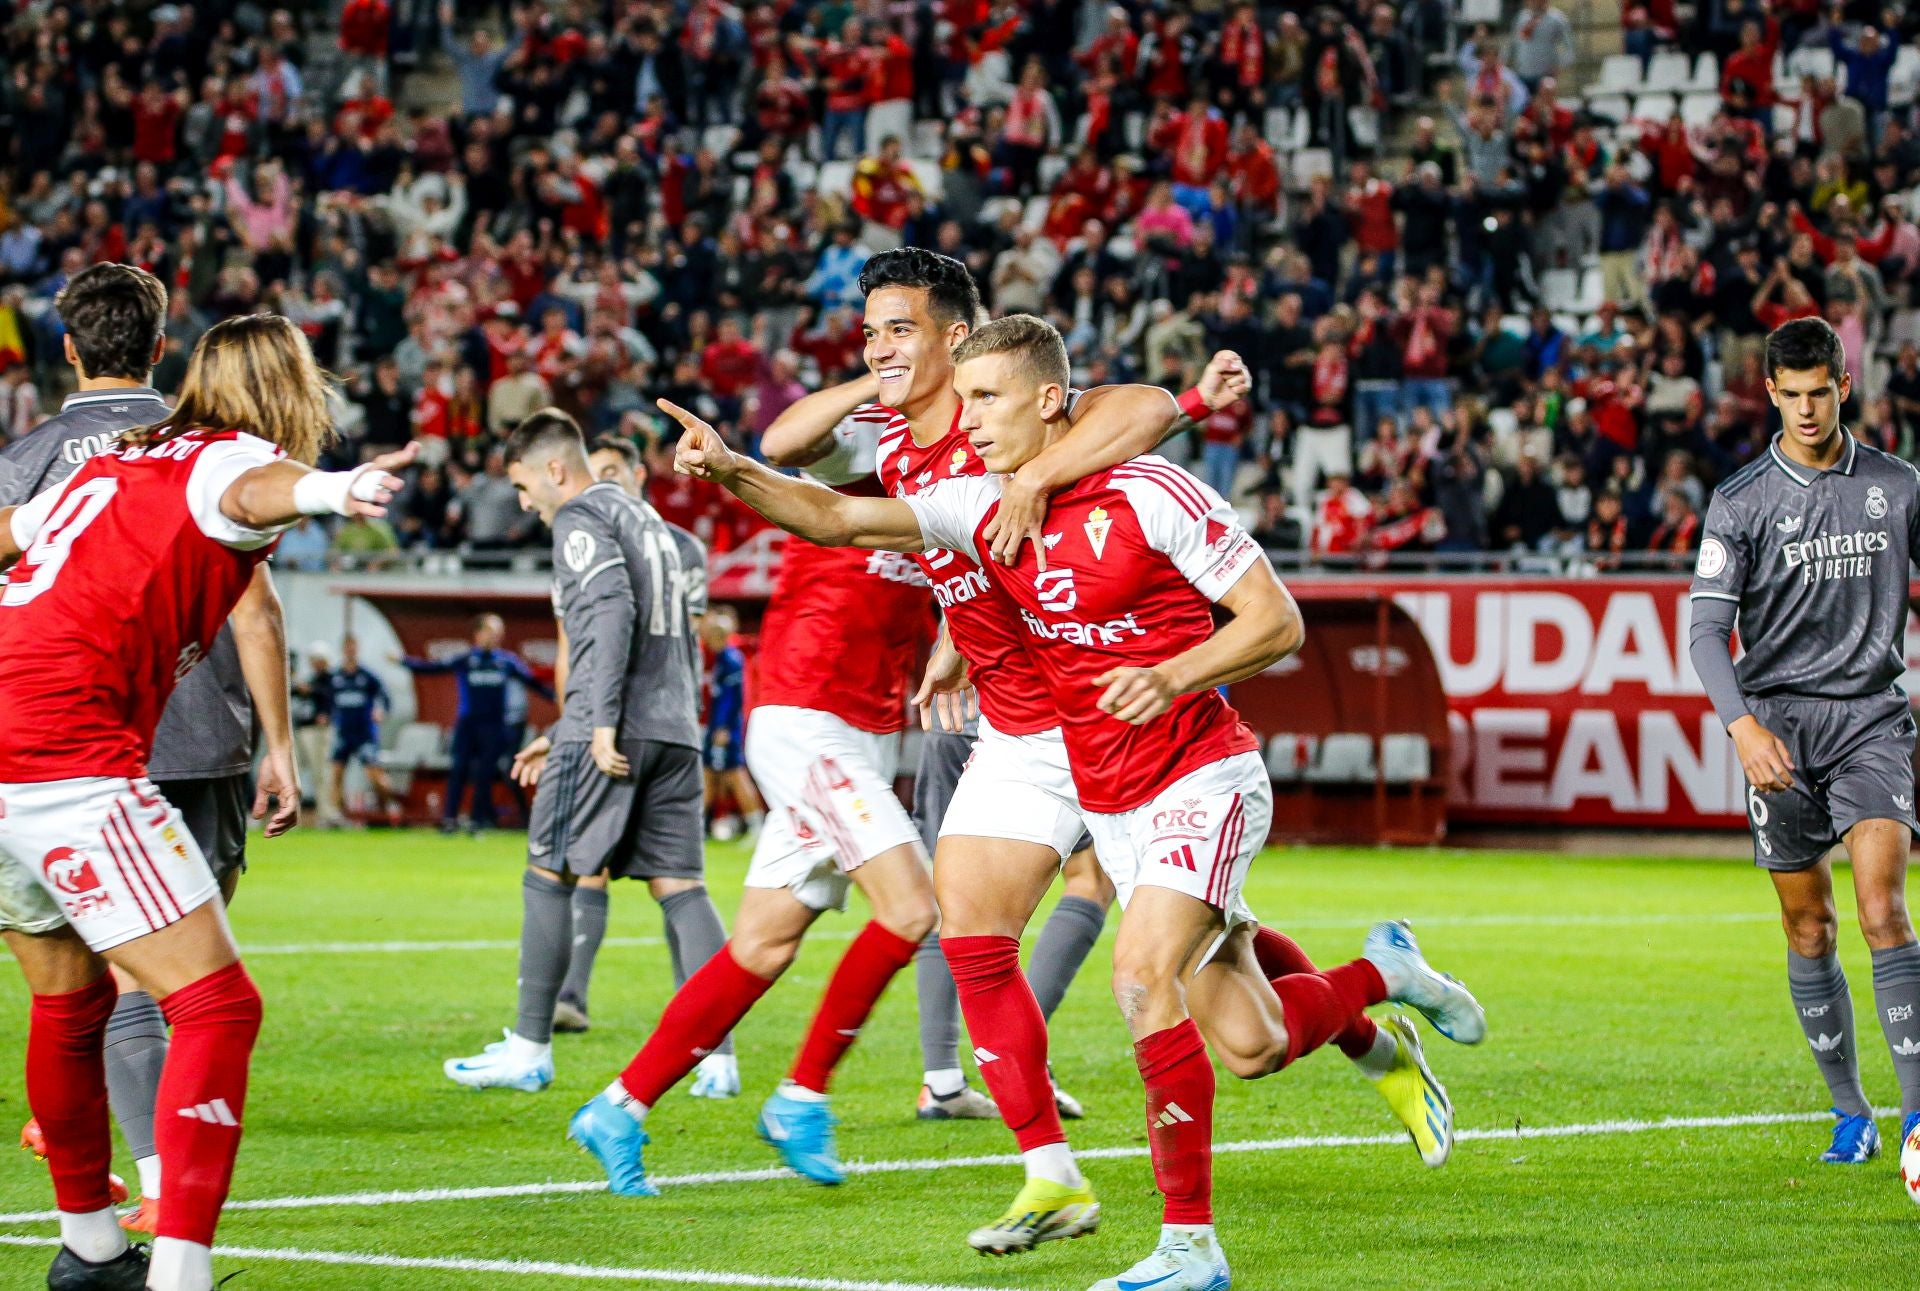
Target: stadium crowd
{"x": 1398, "y": 219}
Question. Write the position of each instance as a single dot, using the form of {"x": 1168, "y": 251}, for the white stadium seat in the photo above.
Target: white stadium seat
{"x": 1671, "y": 71}
{"x": 1346, "y": 757}
{"x": 1655, "y": 107}
{"x": 1811, "y": 60}
{"x": 1288, "y": 756}
{"x": 1706, "y": 73}
{"x": 1593, "y": 290}
{"x": 1903, "y": 82}
{"x": 1405, "y": 758}
{"x": 1559, "y": 288}
{"x": 1619, "y": 74}
{"x": 1699, "y": 109}
{"x": 1614, "y": 107}
{"x": 1473, "y": 11}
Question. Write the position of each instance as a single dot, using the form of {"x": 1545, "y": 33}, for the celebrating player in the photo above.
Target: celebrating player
{"x": 115, "y": 316}
{"x": 174, "y": 520}
{"x": 1117, "y": 603}
{"x": 617, "y": 782}
{"x": 1808, "y": 549}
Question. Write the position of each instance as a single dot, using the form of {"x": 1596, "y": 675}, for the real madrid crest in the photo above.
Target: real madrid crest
{"x": 1876, "y": 503}
{"x": 1097, "y": 527}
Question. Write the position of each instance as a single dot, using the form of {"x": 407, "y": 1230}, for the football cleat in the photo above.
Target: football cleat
{"x": 1416, "y": 1097}
{"x": 144, "y": 1218}
{"x": 569, "y": 1018}
{"x": 615, "y": 1140}
{"x": 1856, "y": 1140}
{"x": 1183, "y": 1261}
{"x": 1066, "y": 1104}
{"x": 496, "y": 1067}
{"x": 1410, "y": 980}
{"x": 32, "y": 1140}
{"x": 969, "y": 1104}
{"x": 717, "y": 1076}
{"x": 802, "y": 1133}
{"x": 126, "y": 1271}
{"x": 1044, "y": 1211}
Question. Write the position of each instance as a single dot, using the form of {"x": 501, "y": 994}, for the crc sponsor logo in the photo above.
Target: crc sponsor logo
{"x": 957, "y": 591}
{"x": 1189, "y": 817}
{"x": 1840, "y": 555}
{"x": 1057, "y": 593}
{"x": 71, "y": 873}
{"x": 1074, "y": 632}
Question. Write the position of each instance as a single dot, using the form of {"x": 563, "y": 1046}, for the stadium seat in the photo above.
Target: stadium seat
{"x": 1619, "y": 74}
{"x": 1288, "y": 756}
{"x": 1699, "y": 109}
{"x": 836, "y": 177}
{"x": 1783, "y": 119}
{"x": 1052, "y": 166}
{"x": 1307, "y": 163}
{"x": 927, "y": 140}
{"x": 1593, "y": 291}
{"x": 1503, "y": 422}
{"x": 1365, "y": 124}
{"x": 803, "y": 172}
{"x": 928, "y": 173}
{"x": 1811, "y": 60}
{"x": 1035, "y": 215}
{"x": 420, "y": 745}
{"x": 1568, "y": 323}
{"x": 1346, "y": 757}
{"x": 1516, "y": 324}
{"x": 1476, "y": 11}
{"x": 1134, "y": 127}
{"x": 1655, "y": 107}
{"x": 1560, "y": 288}
{"x": 1614, "y": 107}
{"x": 1706, "y": 74}
{"x": 1670, "y": 70}
{"x": 1278, "y": 125}
{"x": 1903, "y": 82}
{"x": 1299, "y": 131}
{"x": 1405, "y": 758}
{"x": 720, "y": 140}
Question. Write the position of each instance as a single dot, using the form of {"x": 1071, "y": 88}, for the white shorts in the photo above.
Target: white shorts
{"x": 1017, "y": 787}
{"x": 830, "y": 802}
{"x": 1199, "y": 836}
{"x": 108, "y": 855}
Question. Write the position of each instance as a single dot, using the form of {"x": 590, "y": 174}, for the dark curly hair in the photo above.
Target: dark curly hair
{"x": 952, "y": 296}
{"x": 1805, "y": 344}
{"x": 116, "y": 315}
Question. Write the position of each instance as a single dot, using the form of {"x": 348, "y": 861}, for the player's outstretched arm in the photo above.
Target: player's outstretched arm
{"x": 260, "y": 634}
{"x": 278, "y": 494}
{"x": 812, "y": 511}
{"x": 1111, "y": 425}
{"x": 1265, "y": 628}
{"x": 803, "y": 434}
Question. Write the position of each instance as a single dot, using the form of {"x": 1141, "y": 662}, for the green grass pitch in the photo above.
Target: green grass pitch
{"x": 1618, "y": 991}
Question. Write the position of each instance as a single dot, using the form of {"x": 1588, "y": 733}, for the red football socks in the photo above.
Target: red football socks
{"x": 1281, "y": 956}
{"x": 1179, "y": 1079}
{"x": 67, "y": 1090}
{"x": 1318, "y": 1006}
{"x": 1009, "y": 1034}
{"x": 873, "y": 959}
{"x": 203, "y": 1092}
{"x": 698, "y": 1018}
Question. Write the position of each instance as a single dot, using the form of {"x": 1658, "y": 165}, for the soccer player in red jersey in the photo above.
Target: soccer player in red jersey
{"x": 172, "y": 522}
{"x": 1117, "y": 601}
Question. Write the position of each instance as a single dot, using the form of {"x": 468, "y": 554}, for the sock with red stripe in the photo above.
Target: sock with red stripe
{"x": 67, "y": 1091}
{"x": 698, "y": 1017}
{"x": 1009, "y": 1035}
{"x": 1318, "y": 1006}
{"x": 203, "y": 1093}
{"x": 1281, "y": 956}
{"x": 873, "y": 959}
{"x": 1179, "y": 1080}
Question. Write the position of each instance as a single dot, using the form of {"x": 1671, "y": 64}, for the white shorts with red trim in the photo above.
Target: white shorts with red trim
{"x": 830, "y": 802}
{"x": 1199, "y": 835}
{"x": 1017, "y": 787}
{"x": 110, "y": 854}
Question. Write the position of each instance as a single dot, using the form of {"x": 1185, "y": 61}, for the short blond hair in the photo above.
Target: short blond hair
{"x": 254, "y": 373}
{"x": 1035, "y": 342}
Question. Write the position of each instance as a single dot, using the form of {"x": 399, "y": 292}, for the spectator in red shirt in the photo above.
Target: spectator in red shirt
{"x": 1199, "y": 143}
{"x": 729, "y": 364}
{"x": 1369, "y": 208}
{"x": 1117, "y": 40}
{"x": 1253, "y": 172}
{"x": 364, "y": 26}
{"x": 1240, "y": 73}
{"x": 1343, "y": 518}
{"x": 1752, "y": 65}
{"x": 881, "y": 185}
{"x": 847, "y": 72}
{"x": 156, "y": 123}
{"x": 1031, "y": 130}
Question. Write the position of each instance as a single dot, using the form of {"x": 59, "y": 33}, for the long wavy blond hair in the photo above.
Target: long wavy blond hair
{"x": 254, "y": 373}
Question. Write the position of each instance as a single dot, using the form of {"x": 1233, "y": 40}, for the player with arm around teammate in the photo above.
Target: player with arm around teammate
{"x": 175, "y": 518}
{"x": 1177, "y": 798}
{"x": 1808, "y": 548}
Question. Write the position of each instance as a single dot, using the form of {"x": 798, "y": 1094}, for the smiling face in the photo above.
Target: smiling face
{"x": 907, "y": 348}
{"x": 1005, "y": 410}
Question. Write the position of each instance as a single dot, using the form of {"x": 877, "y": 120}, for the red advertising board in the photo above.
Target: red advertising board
{"x": 1572, "y": 700}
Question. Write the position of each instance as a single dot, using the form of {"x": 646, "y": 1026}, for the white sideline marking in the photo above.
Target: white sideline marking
{"x": 589, "y": 1272}
{"x": 1420, "y": 923}
{"x": 769, "y": 1174}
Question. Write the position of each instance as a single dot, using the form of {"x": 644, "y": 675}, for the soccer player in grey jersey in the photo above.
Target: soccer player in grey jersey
{"x": 1809, "y": 548}
{"x": 618, "y": 788}
{"x": 202, "y": 758}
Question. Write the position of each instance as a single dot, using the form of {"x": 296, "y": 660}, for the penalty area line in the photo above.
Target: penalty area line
{"x": 542, "y": 1268}
{"x": 1294, "y": 1143}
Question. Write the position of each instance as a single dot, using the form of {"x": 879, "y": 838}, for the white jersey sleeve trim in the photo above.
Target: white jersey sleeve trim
{"x": 1713, "y": 596}
{"x": 215, "y": 469}
{"x": 856, "y": 445}
{"x": 951, "y": 511}
{"x": 31, "y": 514}
{"x": 1189, "y": 523}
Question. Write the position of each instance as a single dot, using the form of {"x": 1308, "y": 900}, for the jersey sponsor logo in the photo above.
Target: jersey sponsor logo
{"x": 1075, "y": 632}
{"x": 1057, "y": 593}
{"x": 895, "y": 568}
{"x": 1098, "y": 526}
{"x": 578, "y": 550}
{"x": 1711, "y": 560}
{"x": 1841, "y": 555}
{"x": 1789, "y": 525}
{"x": 958, "y": 591}
{"x": 1189, "y": 815}
{"x": 1876, "y": 503}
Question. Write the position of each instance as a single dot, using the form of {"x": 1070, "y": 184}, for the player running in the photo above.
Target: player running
{"x": 1808, "y": 549}
{"x": 360, "y": 703}
{"x": 115, "y": 316}
{"x": 617, "y": 782}
{"x": 1119, "y": 622}
{"x": 173, "y": 519}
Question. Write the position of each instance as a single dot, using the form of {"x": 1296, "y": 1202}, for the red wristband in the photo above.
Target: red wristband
{"x": 1193, "y": 405}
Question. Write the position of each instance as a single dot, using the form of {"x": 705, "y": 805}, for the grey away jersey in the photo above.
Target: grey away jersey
{"x": 1818, "y": 564}
{"x": 620, "y": 590}
{"x": 207, "y": 727}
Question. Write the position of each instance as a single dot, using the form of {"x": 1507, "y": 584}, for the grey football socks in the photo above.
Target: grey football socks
{"x": 1066, "y": 940}
{"x": 939, "y": 1018}
{"x": 136, "y": 1049}
{"x": 1825, "y": 1010}
{"x": 589, "y": 930}
{"x": 1896, "y": 997}
{"x": 695, "y": 934}
{"x": 546, "y": 944}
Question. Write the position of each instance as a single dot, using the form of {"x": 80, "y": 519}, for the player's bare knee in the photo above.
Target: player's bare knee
{"x": 1884, "y": 920}
{"x": 556, "y": 877}
{"x": 910, "y": 920}
{"x": 1811, "y": 932}
{"x": 764, "y": 957}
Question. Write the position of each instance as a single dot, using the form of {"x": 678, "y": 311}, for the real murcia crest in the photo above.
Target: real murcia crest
{"x": 959, "y": 459}
{"x": 1098, "y": 526}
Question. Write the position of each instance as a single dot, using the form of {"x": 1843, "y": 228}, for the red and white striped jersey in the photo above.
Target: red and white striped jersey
{"x": 1136, "y": 556}
{"x": 984, "y": 623}
{"x": 129, "y": 571}
{"x": 845, "y": 629}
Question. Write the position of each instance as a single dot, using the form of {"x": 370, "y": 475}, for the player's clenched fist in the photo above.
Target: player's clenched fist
{"x": 701, "y": 453}
{"x": 1135, "y": 695}
{"x": 1765, "y": 759}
